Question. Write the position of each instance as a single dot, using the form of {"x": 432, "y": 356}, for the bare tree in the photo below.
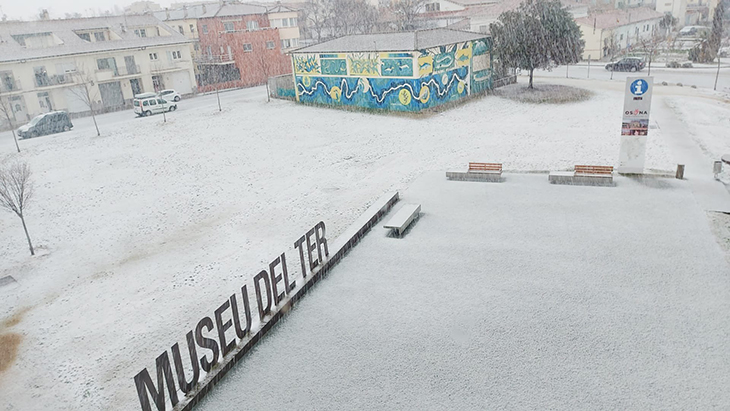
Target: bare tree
{"x": 650, "y": 45}
{"x": 406, "y": 12}
{"x": 157, "y": 68}
{"x": 85, "y": 91}
{"x": 317, "y": 18}
{"x": 6, "y": 108}
{"x": 16, "y": 189}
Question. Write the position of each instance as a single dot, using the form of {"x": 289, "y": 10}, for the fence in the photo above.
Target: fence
{"x": 282, "y": 87}
{"x": 503, "y": 81}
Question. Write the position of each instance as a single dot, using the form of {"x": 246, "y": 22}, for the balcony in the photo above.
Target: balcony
{"x": 210, "y": 59}
{"x": 110, "y": 73}
{"x": 159, "y": 66}
{"x": 44, "y": 80}
{"x": 9, "y": 84}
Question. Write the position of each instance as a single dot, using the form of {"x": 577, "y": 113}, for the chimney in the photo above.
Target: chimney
{"x": 44, "y": 15}
{"x": 167, "y": 13}
{"x": 204, "y": 9}
{"x": 185, "y": 11}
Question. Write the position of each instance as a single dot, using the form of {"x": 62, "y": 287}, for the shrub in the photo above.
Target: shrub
{"x": 687, "y": 65}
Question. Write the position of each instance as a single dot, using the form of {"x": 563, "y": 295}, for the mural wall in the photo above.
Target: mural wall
{"x": 404, "y": 81}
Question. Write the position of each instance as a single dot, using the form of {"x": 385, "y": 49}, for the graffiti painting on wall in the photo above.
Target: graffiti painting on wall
{"x": 364, "y": 64}
{"x": 306, "y": 64}
{"x": 389, "y": 80}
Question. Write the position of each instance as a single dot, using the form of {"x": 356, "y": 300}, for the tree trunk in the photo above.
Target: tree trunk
{"x": 649, "y": 74}
{"x": 268, "y": 93}
{"x": 93, "y": 116}
{"x": 15, "y": 138}
{"x": 218, "y": 97}
{"x": 30, "y": 245}
{"x": 531, "y": 71}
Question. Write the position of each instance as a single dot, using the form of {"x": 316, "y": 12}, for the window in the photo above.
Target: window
{"x": 182, "y": 31}
{"x": 621, "y": 38}
{"x": 270, "y": 45}
{"x": 294, "y": 42}
{"x": 247, "y": 47}
{"x": 433, "y": 6}
{"x": 252, "y": 25}
{"x": 160, "y": 101}
{"x": 176, "y": 55}
{"x": 153, "y": 56}
{"x": 228, "y": 26}
{"x": 146, "y": 103}
{"x": 85, "y": 36}
{"x": 106, "y": 64}
{"x": 284, "y": 22}
{"x": 192, "y": 28}
{"x": 293, "y": 22}
{"x": 99, "y": 36}
{"x": 285, "y": 43}
{"x": 140, "y": 32}
{"x": 153, "y": 102}
{"x": 196, "y": 47}
{"x": 205, "y": 29}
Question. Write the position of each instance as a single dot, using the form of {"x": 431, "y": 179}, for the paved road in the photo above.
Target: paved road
{"x": 700, "y": 77}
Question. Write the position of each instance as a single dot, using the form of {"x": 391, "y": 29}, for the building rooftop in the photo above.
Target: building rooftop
{"x": 61, "y": 36}
{"x": 618, "y": 18}
{"x": 414, "y": 40}
{"x": 238, "y": 9}
{"x": 189, "y": 12}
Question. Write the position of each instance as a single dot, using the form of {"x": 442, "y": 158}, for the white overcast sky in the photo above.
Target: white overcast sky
{"x": 28, "y": 9}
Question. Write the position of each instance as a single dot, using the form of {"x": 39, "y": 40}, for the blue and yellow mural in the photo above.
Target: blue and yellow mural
{"x": 404, "y": 81}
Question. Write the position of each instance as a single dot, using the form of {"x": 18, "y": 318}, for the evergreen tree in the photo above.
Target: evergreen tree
{"x": 539, "y": 34}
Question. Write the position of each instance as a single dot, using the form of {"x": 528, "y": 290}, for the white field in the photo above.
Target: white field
{"x": 148, "y": 228}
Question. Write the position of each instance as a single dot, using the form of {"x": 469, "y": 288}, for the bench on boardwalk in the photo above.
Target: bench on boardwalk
{"x": 403, "y": 218}
{"x": 584, "y": 175}
{"x": 491, "y": 172}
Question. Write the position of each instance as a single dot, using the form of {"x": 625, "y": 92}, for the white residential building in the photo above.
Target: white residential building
{"x": 44, "y": 63}
{"x": 617, "y": 29}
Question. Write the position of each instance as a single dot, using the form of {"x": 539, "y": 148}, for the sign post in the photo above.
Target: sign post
{"x": 635, "y": 124}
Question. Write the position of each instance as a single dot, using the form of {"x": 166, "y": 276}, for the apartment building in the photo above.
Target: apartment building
{"x": 44, "y": 64}
{"x": 611, "y": 31}
{"x": 239, "y": 48}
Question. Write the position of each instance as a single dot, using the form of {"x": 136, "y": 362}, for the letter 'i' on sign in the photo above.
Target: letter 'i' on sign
{"x": 635, "y": 124}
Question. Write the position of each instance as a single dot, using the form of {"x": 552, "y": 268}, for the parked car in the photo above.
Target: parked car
{"x": 170, "y": 95}
{"x": 147, "y": 104}
{"x": 626, "y": 64}
{"x": 48, "y": 123}
{"x": 693, "y": 31}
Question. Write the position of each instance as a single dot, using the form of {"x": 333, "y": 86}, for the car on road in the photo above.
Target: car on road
{"x": 170, "y": 95}
{"x": 48, "y": 123}
{"x": 147, "y": 104}
{"x": 626, "y": 64}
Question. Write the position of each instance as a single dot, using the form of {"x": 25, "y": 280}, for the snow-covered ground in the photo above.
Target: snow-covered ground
{"x": 144, "y": 230}
{"x": 520, "y": 295}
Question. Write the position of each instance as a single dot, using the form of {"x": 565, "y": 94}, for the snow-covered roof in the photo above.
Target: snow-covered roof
{"x": 236, "y": 9}
{"x": 414, "y": 40}
{"x": 191, "y": 12}
{"x": 618, "y": 18}
{"x": 69, "y": 43}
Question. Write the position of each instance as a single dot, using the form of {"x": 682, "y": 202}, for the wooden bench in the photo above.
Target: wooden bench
{"x": 403, "y": 218}
{"x": 584, "y": 175}
{"x": 491, "y": 172}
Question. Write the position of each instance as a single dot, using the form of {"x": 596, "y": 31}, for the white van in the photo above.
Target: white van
{"x": 146, "y": 104}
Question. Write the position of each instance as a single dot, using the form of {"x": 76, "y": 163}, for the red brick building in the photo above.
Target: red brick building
{"x": 238, "y": 48}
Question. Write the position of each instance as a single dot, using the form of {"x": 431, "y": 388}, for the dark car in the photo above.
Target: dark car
{"x": 626, "y": 64}
{"x": 48, "y": 123}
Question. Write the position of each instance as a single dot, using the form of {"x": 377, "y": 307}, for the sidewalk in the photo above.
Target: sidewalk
{"x": 710, "y": 194}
